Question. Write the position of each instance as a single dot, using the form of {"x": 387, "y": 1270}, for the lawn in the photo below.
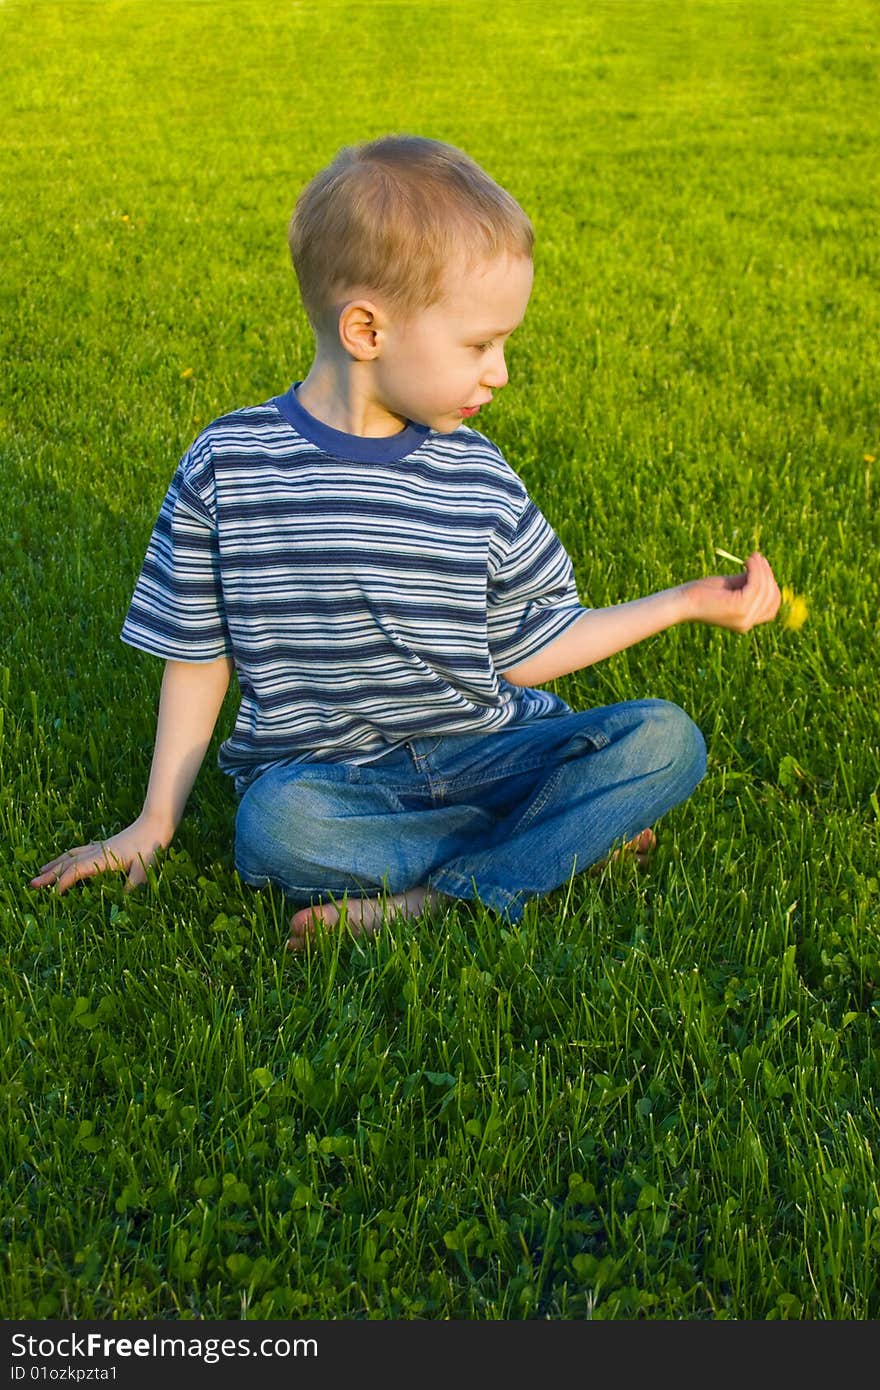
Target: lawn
{"x": 656, "y": 1097}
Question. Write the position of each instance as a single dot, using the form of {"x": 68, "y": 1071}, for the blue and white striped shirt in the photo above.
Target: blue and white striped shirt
{"x": 369, "y": 590}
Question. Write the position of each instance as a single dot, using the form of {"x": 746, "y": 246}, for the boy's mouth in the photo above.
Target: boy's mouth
{"x": 467, "y": 410}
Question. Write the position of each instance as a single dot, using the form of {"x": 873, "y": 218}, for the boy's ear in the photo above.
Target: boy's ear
{"x": 359, "y": 327}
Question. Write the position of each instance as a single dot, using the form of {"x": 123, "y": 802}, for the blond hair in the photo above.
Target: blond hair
{"x": 390, "y": 214}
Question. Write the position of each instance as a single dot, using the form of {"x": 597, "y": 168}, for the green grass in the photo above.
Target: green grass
{"x": 657, "y": 1096}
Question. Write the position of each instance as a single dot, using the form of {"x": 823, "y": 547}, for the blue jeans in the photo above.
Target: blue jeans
{"x": 500, "y": 818}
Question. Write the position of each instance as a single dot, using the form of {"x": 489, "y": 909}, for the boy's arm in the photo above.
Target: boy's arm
{"x": 189, "y": 705}
{"x": 735, "y": 601}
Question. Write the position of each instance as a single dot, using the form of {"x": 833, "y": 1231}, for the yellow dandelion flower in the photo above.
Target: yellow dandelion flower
{"x": 794, "y": 609}
{"x": 125, "y": 217}
{"x": 869, "y": 458}
{"x": 187, "y": 374}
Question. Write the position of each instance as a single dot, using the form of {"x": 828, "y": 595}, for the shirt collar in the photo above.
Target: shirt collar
{"x": 353, "y": 447}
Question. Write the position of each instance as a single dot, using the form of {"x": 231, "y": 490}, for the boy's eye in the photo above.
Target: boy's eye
{"x": 484, "y": 347}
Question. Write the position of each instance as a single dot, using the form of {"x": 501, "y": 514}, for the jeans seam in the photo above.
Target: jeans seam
{"x": 537, "y": 805}
{"x": 467, "y": 779}
{"x": 467, "y": 887}
{"x": 290, "y": 890}
{"x": 423, "y": 757}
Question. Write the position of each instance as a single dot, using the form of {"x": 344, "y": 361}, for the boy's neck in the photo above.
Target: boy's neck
{"x": 336, "y": 393}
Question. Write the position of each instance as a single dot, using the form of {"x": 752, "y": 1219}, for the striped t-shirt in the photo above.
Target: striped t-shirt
{"x": 370, "y": 591}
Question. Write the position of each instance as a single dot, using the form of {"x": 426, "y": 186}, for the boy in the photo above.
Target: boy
{"x": 390, "y": 597}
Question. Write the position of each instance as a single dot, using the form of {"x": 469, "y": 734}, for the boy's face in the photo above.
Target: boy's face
{"x": 441, "y": 364}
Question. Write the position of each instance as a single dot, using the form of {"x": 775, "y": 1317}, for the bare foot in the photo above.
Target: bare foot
{"x": 363, "y": 915}
{"x": 640, "y": 848}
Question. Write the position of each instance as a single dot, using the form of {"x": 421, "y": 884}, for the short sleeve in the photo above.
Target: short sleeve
{"x": 532, "y": 596}
{"x": 177, "y": 609}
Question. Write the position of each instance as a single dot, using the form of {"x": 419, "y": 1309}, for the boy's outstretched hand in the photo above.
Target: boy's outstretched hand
{"x": 132, "y": 850}
{"x": 735, "y": 601}
{"x": 192, "y": 693}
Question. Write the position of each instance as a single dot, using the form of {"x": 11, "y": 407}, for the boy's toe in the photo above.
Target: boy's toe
{"x": 303, "y": 923}
{"x": 640, "y": 848}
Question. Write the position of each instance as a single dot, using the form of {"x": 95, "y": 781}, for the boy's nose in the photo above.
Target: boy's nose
{"x": 495, "y": 372}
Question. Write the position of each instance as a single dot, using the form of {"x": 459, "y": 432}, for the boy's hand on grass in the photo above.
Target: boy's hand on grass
{"x": 133, "y": 850}
{"x": 736, "y": 601}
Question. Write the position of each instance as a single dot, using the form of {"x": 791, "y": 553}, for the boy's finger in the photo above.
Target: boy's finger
{"x": 51, "y": 873}
{"x": 70, "y": 867}
{"x": 756, "y": 568}
{"x": 760, "y": 578}
{"x": 759, "y": 565}
{"x": 43, "y": 880}
{"x": 63, "y": 879}
{"x": 63, "y": 858}
{"x": 734, "y": 583}
{"x": 73, "y": 873}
